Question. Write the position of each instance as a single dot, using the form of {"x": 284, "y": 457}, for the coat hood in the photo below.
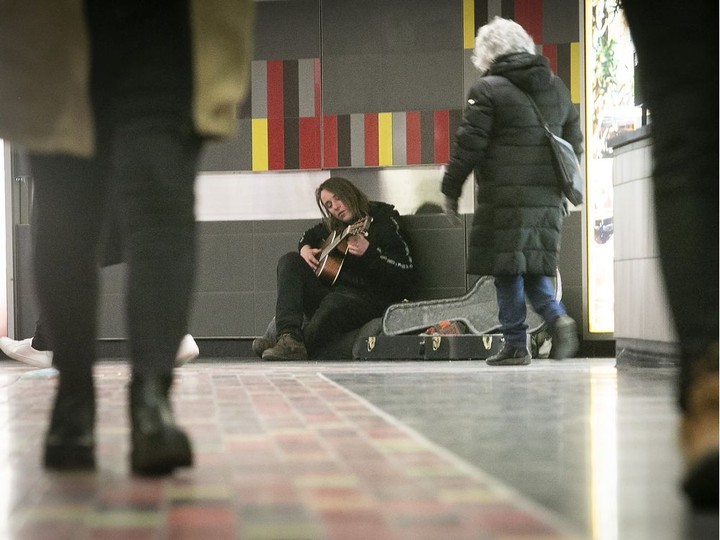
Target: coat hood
{"x": 530, "y": 72}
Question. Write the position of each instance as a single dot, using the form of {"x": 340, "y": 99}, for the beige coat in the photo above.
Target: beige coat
{"x": 44, "y": 71}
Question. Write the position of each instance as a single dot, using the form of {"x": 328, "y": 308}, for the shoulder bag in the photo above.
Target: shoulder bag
{"x": 567, "y": 168}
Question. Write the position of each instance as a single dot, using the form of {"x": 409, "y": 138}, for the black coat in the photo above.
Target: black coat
{"x": 386, "y": 271}
{"x": 519, "y": 212}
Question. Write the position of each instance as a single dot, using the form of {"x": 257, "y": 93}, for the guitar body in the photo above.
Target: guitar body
{"x": 329, "y": 267}
{"x": 334, "y": 249}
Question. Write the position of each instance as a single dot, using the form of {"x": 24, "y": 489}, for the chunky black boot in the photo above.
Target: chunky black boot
{"x": 158, "y": 445}
{"x": 70, "y": 440}
{"x": 564, "y": 338}
{"x": 510, "y": 355}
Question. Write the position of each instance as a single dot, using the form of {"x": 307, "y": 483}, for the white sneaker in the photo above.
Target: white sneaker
{"x": 187, "y": 351}
{"x": 23, "y": 351}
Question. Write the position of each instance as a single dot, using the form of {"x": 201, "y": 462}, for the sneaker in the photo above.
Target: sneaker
{"x": 510, "y": 355}
{"x": 260, "y": 345}
{"x": 187, "y": 351}
{"x": 23, "y": 351}
{"x": 286, "y": 348}
{"x": 564, "y": 338}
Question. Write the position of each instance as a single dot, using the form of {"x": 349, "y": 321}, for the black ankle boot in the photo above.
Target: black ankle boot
{"x": 510, "y": 355}
{"x": 70, "y": 440}
{"x": 158, "y": 445}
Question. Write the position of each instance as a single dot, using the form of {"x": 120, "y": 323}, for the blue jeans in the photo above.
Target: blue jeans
{"x": 512, "y": 311}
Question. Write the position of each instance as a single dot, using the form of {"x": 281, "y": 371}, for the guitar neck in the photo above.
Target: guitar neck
{"x": 334, "y": 243}
{"x": 359, "y": 227}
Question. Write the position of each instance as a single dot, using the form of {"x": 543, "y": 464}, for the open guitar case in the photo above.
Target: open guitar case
{"x": 404, "y": 324}
{"x": 400, "y": 333}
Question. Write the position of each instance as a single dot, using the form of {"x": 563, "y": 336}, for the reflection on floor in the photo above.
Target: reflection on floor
{"x": 364, "y": 450}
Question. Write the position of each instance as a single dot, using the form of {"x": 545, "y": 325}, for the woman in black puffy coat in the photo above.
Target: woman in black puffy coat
{"x": 518, "y": 218}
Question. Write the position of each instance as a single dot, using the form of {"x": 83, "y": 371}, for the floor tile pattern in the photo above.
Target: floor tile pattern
{"x": 281, "y": 451}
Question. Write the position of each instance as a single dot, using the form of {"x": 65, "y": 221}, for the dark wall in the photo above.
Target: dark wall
{"x": 235, "y": 290}
{"x": 403, "y": 55}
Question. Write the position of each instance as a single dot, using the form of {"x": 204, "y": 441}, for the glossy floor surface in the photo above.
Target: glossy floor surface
{"x": 396, "y": 450}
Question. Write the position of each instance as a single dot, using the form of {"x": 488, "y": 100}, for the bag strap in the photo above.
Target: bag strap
{"x": 543, "y": 123}
{"x": 537, "y": 110}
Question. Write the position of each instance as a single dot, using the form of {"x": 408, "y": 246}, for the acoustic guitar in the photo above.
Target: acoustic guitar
{"x": 334, "y": 249}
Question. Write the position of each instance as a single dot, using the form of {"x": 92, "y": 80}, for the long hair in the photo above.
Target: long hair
{"x": 498, "y": 37}
{"x": 356, "y": 201}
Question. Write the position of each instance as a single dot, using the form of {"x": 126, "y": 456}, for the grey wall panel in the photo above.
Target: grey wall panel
{"x": 396, "y": 26}
{"x": 225, "y": 262}
{"x": 267, "y": 249}
{"x": 381, "y": 56}
{"x": 388, "y": 83}
{"x": 26, "y": 308}
{"x": 438, "y": 250}
{"x": 113, "y": 278}
{"x": 222, "y": 314}
{"x": 264, "y": 310}
{"x": 258, "y": 89}
{"x": 292, "y": 226}
{"x": 287, "y": 29}
{"x": 570, "y": 264}
{"x": 399, "y": 138}
{"x": 244, "y": 145}
{"x": 26, "y": 316}
{"x": 470, "y": 75}
{"x": 111, "y": 303}
{"x": 23, "y": 258}
{"x": 225, "y": 227}
{"x": 111, "y": 315}
{"x": 232, "y": 154}
{"x": 560, "y": 21}
{"x": 306, "y": 87}
{"x": 495, "y": 9}
{"x": 571, "y": 256}
{"x": 357, "y": 140}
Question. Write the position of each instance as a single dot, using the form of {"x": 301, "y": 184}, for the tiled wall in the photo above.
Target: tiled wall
{"x": 642, "y": 319}
{"x": 378, "y": 83}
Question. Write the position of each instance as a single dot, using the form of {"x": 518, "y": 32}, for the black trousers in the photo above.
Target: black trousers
{"x": 152, "y": 169}
{"x": 331, "y": 311}
{"x": 679, "y": 82}
{"x": 111, "y": 253}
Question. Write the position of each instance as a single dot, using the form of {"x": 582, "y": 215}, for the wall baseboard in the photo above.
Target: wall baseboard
{"x": 646, "y": 353}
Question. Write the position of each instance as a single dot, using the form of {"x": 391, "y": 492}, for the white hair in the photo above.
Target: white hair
{"x": 498, "y": 37}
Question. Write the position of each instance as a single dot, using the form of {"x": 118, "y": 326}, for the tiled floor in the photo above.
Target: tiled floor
{"x": 364, "y": 451}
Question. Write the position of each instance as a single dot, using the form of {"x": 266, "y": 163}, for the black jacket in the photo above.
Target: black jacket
{"x": 519, "y": 212}
{"x": 386, "y": 270}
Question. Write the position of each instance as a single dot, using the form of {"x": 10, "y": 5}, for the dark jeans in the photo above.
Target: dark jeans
{"x": 111, "y": 253}
{"x": 152, "y": 169}
{"x": 680, "y": 87}
{"x": 331, "y": 311}
{"x": 512, "y": 310}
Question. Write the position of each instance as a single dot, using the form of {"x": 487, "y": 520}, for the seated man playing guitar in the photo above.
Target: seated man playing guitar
{"x": 347, "y": 270}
